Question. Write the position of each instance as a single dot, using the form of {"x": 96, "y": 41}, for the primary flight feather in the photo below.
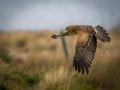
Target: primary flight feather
{"x": 86, "y": 44}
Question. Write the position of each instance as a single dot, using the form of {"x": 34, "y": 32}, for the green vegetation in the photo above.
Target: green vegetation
{"x": 5, "y": 86}
{"x": 4, "y": 55}
{"x": 20, "y": 78}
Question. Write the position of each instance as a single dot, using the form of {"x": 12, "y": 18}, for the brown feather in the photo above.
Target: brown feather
{"x": 85, "y": 51}
{"x": 101, "y": 34}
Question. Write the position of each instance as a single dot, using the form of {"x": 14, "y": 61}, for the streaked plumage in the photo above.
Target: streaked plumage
{"x": 86, "y": 44}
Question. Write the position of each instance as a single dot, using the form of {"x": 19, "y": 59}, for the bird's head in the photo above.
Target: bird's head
{"x": 70, "y": 30}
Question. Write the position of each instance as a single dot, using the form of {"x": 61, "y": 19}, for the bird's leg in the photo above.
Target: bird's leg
{"x": 64, "y": 33}
{"x": 55, "y": 36}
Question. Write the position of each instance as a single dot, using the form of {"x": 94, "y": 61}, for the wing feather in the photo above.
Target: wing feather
{"x": 84, "y": 54}
{"x": 102, "y": 34}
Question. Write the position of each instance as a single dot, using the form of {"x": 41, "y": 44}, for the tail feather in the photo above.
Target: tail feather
{"x": 102, "y": 34}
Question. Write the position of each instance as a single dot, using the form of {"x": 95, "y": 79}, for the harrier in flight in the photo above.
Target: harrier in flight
{"x": 86, "y": 44}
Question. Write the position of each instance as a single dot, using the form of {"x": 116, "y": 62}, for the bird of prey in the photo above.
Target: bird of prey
{"x": 86, "y": 44}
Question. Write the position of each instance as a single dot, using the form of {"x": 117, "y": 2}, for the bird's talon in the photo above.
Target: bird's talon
{"x": 54, "y": 36}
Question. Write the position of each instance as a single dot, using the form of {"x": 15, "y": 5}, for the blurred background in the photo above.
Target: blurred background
{"x": 31, "y": 60}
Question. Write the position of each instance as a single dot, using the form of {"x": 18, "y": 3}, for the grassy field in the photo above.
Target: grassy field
{"x": 34, "y": 61}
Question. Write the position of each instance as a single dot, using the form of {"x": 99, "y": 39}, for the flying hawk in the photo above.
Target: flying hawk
{"x": 86, "y": 44}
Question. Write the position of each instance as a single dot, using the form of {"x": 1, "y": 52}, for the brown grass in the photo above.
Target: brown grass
{"x": 36, "y": 52}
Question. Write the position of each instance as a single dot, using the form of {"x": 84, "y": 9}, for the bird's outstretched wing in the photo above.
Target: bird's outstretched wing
{"x": 84, "y": 53}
